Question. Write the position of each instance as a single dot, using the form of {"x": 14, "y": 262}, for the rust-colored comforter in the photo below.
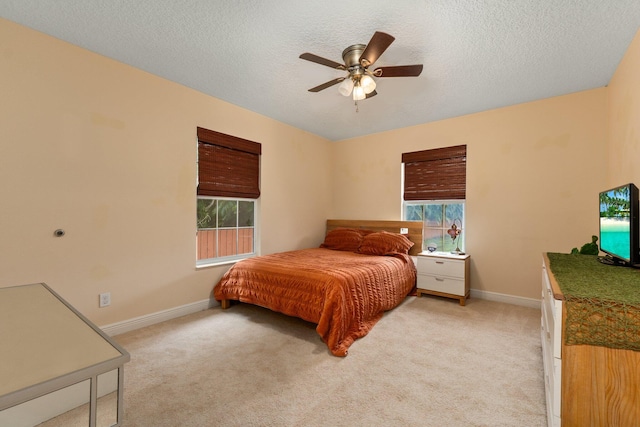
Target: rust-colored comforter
{"x": 344, "y": 293}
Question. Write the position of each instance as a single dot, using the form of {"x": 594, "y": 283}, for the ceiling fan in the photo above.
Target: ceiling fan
{"x": 359, "y": 82}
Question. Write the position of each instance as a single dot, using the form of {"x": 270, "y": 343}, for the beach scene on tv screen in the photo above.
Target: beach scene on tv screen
{"x": 615, "y": 222}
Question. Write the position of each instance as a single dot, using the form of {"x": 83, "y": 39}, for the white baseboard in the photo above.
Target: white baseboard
{"x": 161, "y": 316}
{"x": 157, "y": 317}
{"x": 509, "y": 299}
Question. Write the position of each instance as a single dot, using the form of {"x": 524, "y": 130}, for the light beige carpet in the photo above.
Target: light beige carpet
{"x": 429, "y": 362}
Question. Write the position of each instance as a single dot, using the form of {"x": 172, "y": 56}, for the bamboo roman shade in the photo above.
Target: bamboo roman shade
{"x": 439, "y": 174}
{"x": 228, "y": 166}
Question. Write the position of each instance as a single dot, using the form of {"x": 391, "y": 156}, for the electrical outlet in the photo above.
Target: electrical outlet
{"x": 404, "y": 230}
{"x": 105, "y": 299}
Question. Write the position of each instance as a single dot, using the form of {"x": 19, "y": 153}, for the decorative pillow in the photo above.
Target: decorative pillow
{"x": 383, "y": 242}
{"x": 343, "y": 239}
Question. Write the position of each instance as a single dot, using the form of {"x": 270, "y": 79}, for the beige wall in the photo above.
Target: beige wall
{"x": 624, "y": 119}
{"x": 108, "y": 153}
{"x": 533, "y": 175}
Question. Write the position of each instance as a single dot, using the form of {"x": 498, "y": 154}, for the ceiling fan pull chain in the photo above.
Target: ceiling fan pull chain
{"x": 356, "y": 102}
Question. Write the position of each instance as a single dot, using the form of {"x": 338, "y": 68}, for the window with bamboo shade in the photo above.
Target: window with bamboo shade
{"x": 228, "y": 187}
{"x": 434, "y": 192}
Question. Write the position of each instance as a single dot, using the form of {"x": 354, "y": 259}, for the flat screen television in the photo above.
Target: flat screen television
{"x": 619, "y": 226}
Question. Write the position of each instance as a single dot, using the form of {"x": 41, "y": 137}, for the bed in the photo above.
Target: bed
{"x": 361, "y": 270}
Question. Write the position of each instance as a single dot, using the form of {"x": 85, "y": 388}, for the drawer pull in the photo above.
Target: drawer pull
{"x": 439, "y": 262}
{"x": 439, "y": 279}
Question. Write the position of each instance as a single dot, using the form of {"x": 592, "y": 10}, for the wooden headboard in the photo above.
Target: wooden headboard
{"x": 414, "y": 227}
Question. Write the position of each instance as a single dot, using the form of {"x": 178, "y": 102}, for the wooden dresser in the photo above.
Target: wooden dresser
{"x": 587, "y": 385}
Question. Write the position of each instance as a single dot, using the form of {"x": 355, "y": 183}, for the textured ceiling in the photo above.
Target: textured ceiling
{"x": 477, "y": 55}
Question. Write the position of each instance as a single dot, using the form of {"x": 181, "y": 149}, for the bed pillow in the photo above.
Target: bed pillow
{"x": 383, "y": 243}
{"x": 343, "y": 239}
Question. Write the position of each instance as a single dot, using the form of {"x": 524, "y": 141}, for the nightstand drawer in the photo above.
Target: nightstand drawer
{"x": 440, "y": 267}
{"x": 445, "y": 285}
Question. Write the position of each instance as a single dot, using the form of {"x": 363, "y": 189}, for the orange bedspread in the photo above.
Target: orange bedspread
{"x": 344, "y": 293}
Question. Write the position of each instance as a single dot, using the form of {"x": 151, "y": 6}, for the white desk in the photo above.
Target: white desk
{"x": 47, "y": 345}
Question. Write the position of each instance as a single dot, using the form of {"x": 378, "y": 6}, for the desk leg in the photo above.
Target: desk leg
{"x": 93, "y": 401}
{"x": 120, "y": 402}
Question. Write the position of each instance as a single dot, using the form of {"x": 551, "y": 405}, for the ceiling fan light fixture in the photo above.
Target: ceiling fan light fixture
{"x": 358, "y": 93}
{"x": 346, "y": 87}
{"x": 368, "y": 84}
{"x": 359, "y": 82}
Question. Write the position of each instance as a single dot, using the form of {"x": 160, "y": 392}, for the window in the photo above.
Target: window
{"x": 434, "y": 184}
{"x": 228, "y": 189}
{"x": 226, "y": 228}
{"x": 437, "y": 217}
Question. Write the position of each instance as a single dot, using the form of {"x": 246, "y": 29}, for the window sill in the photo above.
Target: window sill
{"x": 220, "y": 263}
{"x": 214, "y": 264}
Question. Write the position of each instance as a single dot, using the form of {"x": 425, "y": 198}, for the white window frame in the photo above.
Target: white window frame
{"x": 461, "y": 242}
{"x": 209, "y": 262}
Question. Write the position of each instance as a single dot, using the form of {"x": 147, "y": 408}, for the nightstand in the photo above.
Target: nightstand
{"x": 443, "y": 274}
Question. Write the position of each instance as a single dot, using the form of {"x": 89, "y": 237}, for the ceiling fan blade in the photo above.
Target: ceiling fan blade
{"x": 322, "y": 61}
{"x": 377, "y": 45}
{"x": 399, "y": 71}
{"x": 326, "y": 85}
{"x": 369, "y": 95}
